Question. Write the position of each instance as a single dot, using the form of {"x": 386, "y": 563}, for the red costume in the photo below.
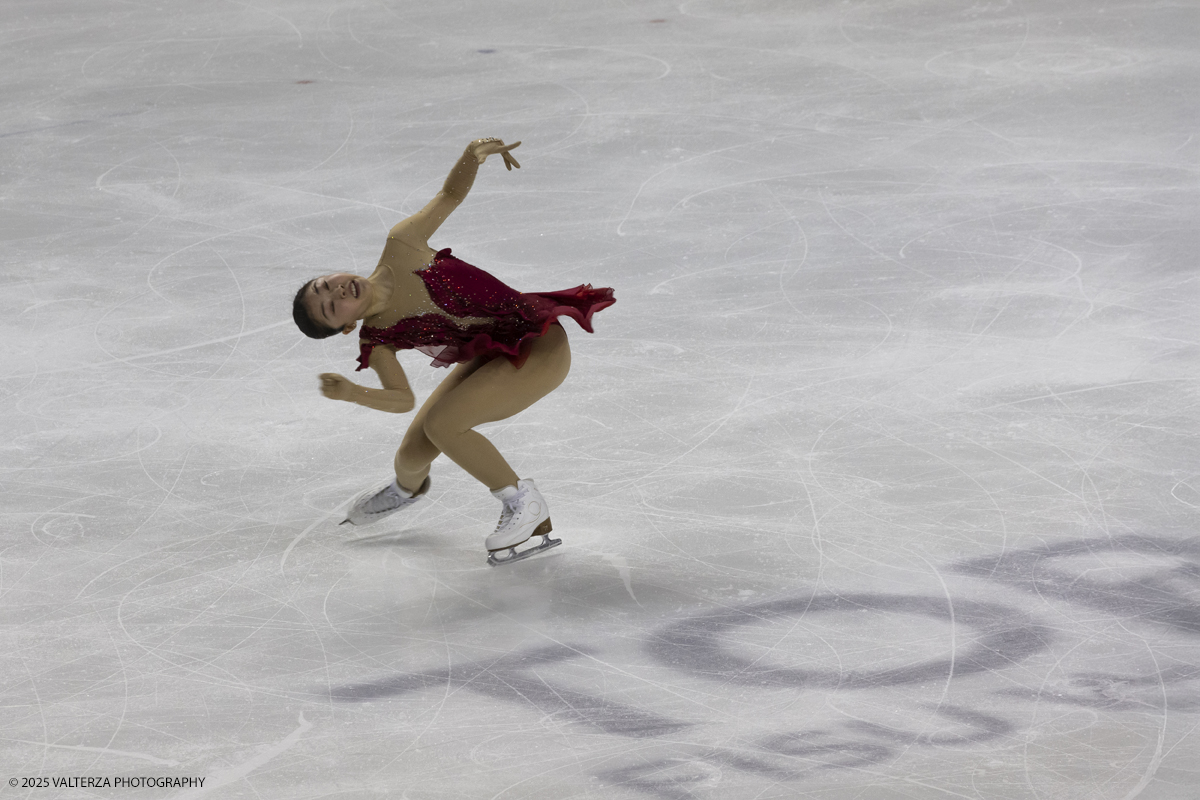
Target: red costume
{"x": 463, "y": 291}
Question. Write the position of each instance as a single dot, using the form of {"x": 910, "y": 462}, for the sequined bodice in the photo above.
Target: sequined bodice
{"x": 465, "y": 312}
{"x": 416, "y": 296}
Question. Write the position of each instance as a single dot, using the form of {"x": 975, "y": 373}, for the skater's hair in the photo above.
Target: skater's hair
{"x": 304, "y": 321}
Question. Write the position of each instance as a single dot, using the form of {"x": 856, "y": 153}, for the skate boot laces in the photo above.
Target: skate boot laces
{"x": 385, "y": 500}
{"x": 510, "y": 508}
{"x": 371, "y": 506}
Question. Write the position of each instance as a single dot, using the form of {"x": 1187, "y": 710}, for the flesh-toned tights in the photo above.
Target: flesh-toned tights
{"x": 473, "y": 393}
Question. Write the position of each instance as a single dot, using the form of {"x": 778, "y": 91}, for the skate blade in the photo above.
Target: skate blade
{"x": 510, "y": 555}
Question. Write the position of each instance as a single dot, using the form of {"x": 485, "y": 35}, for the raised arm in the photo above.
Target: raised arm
{"x": 417, "y": 229}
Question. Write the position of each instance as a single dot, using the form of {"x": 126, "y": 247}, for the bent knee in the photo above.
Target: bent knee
{"x": 416, "y": 448}
{"x": 441, "y": 427}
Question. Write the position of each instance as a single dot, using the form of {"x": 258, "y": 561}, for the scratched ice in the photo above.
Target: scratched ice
{"x": 880, "y": 481}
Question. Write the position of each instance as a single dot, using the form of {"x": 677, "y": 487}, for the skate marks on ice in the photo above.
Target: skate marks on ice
{"x": 1145, "y": 579}
{"x": 265, "y": 754}
{"x": 1164, "y": 569}
{"x": 513, "y": 678}
{"x": 1133, "y": 580}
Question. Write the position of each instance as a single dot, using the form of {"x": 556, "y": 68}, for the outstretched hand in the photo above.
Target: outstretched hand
{"x": 482, "y": 148}
{"x": 334, "y": 386}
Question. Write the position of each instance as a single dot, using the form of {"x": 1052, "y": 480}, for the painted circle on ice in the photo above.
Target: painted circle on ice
{"x": 999, "y": 637}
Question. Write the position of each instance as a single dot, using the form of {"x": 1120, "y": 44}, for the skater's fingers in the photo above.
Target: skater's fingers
{"x": 331, "y": 384}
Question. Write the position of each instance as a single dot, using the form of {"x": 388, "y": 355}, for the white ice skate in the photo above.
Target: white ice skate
{"x": 525, "y": 514}
{"x": 375, "y": 504}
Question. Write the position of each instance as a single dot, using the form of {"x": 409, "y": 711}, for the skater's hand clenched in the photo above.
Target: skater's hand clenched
{"x": 335, "y": 387}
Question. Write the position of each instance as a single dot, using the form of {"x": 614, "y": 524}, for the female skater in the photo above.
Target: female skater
{"x": 509, "y": 349}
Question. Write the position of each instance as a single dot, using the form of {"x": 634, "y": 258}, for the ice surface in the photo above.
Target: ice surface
{"x": 880, "y": 480}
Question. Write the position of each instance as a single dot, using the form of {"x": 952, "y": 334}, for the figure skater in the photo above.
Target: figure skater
{"x": 508, "y": 348}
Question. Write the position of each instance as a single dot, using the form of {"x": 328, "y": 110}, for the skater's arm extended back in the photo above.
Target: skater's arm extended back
{"x": 417, "y": 229}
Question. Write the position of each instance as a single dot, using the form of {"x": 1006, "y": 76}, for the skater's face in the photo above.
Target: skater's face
{"x": 338, "y": 301}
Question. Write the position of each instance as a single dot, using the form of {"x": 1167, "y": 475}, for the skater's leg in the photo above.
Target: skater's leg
{"x": 416, "y": 451}
{"x": 412, "y": 461}
{"x": 495, "y": 391}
